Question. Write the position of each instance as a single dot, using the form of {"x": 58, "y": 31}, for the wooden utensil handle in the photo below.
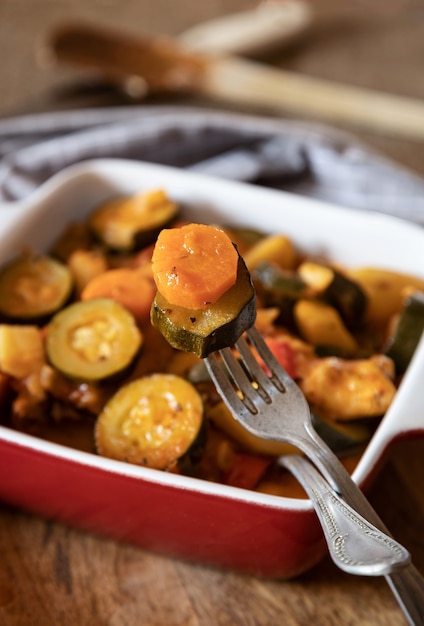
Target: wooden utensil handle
{"x": 245, "y": 82}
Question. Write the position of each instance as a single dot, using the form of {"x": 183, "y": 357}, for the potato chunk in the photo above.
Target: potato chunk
{"x": 343, "y": 390}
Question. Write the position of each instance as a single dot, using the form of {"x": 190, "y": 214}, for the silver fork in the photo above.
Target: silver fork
{"x": 272, "y": 406}
{"x": 356, "y": 546}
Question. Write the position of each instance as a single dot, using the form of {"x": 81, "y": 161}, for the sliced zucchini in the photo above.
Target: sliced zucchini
{"x": 342, "y": 292}
{"x": 278, "y": 286}
{"x": 407, "y": 333}
{"x": 202, "y": 331}
{"x": 152, "y": 421}
{"x": 343, "y": 437}
{"x": 243, "y": 238}
{"x": 34, "y": 287}
{"x": 93, "y": 340}
{"x": 126, "y": 224}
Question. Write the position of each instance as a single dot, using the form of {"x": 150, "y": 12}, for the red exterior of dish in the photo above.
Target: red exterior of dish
{"x": 210, "y": 529}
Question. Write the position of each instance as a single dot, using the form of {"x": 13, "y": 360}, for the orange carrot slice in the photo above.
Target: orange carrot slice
{"x": 193, "y": 266}
{"x": 128, "y": 286}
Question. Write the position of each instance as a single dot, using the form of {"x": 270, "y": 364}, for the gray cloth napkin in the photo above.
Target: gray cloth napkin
{"x": 299, "y": 157}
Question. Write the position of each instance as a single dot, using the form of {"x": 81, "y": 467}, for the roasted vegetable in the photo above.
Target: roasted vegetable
{"x": 344, "y": 390}
{"x": 336, "y": 288}
{"x": 385, "y": 290}
{"x": 21, "y": 350}
{"x": 220, "y": 325}
{"x": 33, "y": 287}
{"x": 321, "y": 325}
{"x": 93, "y": 340}
{"x": 277, "y": 249}
{"x": 243, "y": 238}
{"x": 85, "y": 265}
{"x": 407, "y": 332}
{"x": 125, "y": 224}
{"x": 194, "y": 265}
{"x": 128, "y": 286}
{"x": 278, "y": 287}
{"x": 152, "y": 421}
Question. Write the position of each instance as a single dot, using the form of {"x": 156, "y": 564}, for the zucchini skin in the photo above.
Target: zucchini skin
{"x": 407, "y": 333}
{"x": 129, "y": 223}
{"x": 220, "y": 325}
{"x": 33, "y": 288}
{"x": 93, "y": 341}
{"x": 153, "y": 421}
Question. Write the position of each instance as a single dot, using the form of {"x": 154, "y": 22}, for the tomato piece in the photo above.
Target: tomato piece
{"x": 246, "y": 470}
{"x": 284, "y": 354}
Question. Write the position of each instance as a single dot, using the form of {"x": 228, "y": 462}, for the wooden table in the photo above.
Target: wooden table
{"x": 54, "y": 575}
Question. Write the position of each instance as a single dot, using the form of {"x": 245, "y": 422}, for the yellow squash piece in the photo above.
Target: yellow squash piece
{"x": 152, "y": 421}
{"x": 277, "y": 249}
{"x": 21, "y": 350}
{"x": 386, "y": 291}
{"x": 321, "y": 325}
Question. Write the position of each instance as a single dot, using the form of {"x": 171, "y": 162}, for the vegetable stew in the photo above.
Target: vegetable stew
{"x": 83, "y": 365}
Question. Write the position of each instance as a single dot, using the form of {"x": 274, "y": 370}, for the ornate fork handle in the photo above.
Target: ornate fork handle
{"x": 407, "y": 584}
{"x": 355, "y": 545}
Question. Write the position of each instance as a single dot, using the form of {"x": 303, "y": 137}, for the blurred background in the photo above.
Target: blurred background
{"x": 376, "y": 44}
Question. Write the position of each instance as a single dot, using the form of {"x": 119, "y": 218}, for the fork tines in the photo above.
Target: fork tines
{"x": 248, "y": 379}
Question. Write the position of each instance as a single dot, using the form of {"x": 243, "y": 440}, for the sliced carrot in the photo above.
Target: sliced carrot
{"x": 128, "y": 286}
{"x": 193, "y": 266}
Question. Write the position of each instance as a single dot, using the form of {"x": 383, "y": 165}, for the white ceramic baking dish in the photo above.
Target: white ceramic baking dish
{"x": 177, "y": 515}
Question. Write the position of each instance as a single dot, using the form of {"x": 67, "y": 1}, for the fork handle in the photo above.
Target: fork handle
{"x": 407, "y": 584}
{"x": 355, "y": 545}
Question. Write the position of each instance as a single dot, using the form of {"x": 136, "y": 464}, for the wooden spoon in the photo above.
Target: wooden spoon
{"x": 160, "y": 64}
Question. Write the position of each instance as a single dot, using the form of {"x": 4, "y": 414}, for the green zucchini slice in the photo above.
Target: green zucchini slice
{"x": 407, "y": 333}
{"x": 278, "y": 285}
{"x": 340, "y": 291}
{"x": 152, "y": 421}
{"x": 93, "y": 340}
{"x": 33, "y": 288}
{"x": 129, "y": 223}
{"x": 206, "y": 330}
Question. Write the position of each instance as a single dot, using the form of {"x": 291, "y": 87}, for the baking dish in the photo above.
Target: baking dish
{"x": 180, "y": 516}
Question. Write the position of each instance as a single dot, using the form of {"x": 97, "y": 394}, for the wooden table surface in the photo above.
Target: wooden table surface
{"x": 54, "y": 575}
